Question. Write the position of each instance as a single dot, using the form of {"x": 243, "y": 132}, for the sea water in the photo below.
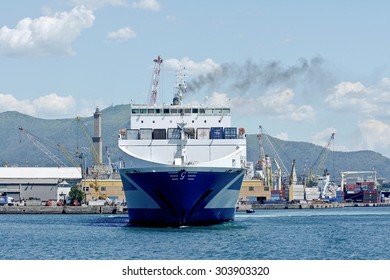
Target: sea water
{"x": 350, "y": 233}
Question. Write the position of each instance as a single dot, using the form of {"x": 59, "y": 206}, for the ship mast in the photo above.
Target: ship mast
{"x": 181, "y": 87}
{"x": 156, "y": 77}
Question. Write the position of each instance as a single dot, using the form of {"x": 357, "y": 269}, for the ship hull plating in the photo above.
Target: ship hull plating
{"x": 181, "y": 195}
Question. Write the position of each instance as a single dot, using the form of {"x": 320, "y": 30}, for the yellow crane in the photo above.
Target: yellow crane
{"x": 66, "y": 152}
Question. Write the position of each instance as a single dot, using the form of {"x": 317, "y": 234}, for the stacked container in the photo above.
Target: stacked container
{"x": 203, "y": 133}
{"x": 339, "y": 196}
{"x": 277, "y": 194}
{"x": 216, "y": 133}
{"x": 371, "y": 196}
{"x": 297, "y": 192}
{"x": 145, "y": 133}
{"x": 132, "y": 134}
{"x": 353, "y": 188}
{"x": 160, "y": 133}
{"x": 230, "y": 132}
{"x": 312, "y": 193}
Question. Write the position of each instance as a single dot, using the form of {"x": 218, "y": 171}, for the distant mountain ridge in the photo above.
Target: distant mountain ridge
{"x": 17, "y": 149}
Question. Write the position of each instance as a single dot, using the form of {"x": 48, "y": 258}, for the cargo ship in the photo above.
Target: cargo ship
{"x": 185, "y": 163}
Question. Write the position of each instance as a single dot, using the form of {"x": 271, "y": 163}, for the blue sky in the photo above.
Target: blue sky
{"x": 301, "y": 69}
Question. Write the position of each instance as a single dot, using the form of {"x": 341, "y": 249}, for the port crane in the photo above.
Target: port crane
{"x": 43, "y": 148}
{"x": 156, "y": 78}
{"x": 83, "y": 128}
{"x": 264, "y": 133}
{"x": 346, "y": 173}
{"x": 321, "y": 159}
{"x": 66, "y": 152}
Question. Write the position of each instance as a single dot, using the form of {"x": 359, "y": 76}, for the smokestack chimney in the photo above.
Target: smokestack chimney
{"x": 97, "y": 138}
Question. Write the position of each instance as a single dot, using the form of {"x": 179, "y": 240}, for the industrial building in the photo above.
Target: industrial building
{"x": 43, "y": 183}
{"x": 103, "y": 188}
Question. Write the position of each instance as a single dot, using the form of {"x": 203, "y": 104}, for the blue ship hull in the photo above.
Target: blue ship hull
{"x": 177, "y": 196}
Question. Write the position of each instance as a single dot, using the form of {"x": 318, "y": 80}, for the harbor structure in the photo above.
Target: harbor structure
{"x": 43, "y": 183}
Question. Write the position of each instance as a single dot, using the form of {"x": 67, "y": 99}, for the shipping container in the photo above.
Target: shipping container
{"x": 132, "y": 134}
{"x": 230, "y": 132}
{"x": 160, "y": 133}
{"x": 216, "y": 133}
{"x": 174, "y": 133}
{"x": 203, "y": 133}
{"x": 145, "y": 133}
{"x": 276, "y": 191}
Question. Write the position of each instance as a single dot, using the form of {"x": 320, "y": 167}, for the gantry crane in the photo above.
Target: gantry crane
{"x": 42, "y": 147}
{"x": 156, "y": 77}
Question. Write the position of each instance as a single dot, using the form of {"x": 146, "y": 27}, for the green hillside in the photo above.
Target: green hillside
{"x": 17, "y": 149}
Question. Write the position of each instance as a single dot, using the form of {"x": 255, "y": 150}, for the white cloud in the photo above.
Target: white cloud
{"x": 282, "y": 136}
{"x": 274, "y": 103}
{"x": 322, "y": 138}
{"x": 122, "y": 34}
{"x": 304, "y": 113}
{"x": 46, "y": 35}
{"x": 375, "y": 135}
{"x": 48, "y": 106}
{"x": 152, "y": 5}
{"x": 278, "y": 100}
{"x": 192, "y": 68}
{"x": 219, "y": 99}
{"x": 97, "y": 4}
{"x": 358, "y": 98}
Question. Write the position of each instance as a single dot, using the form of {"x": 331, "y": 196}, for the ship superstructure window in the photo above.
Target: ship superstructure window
{"x": 174, "y": 111}
{"x": 142, "y": 111}
{"x": 187, "y": 111}
{"x": 195, "y": 110}
{"x": 166, "y": 111}
{"x": 135, "y": 111}
{"x": 151, "y": 111}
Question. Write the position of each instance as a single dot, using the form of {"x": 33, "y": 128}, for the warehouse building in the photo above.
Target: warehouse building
{"x": 41, "y": 183}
